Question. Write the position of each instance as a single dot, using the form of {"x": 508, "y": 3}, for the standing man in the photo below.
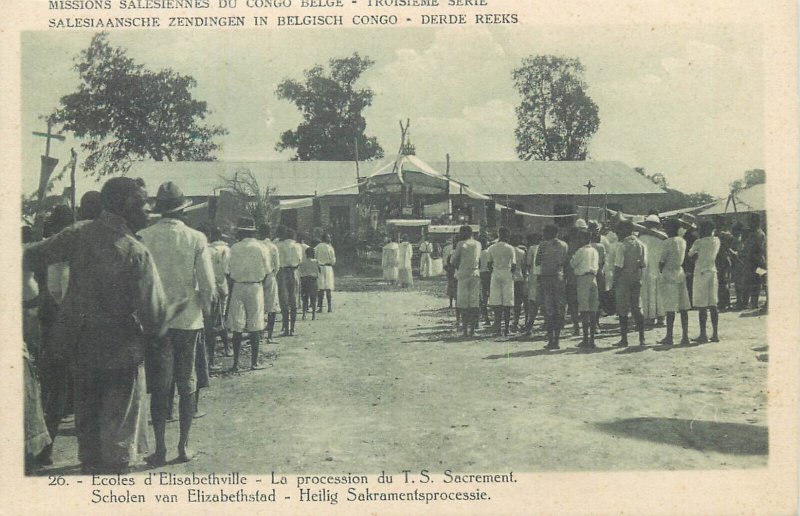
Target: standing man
{"x": 704, "y": 294}
{"x": 673, "y": 291}
{"x": 486, "y": 278}
{"x": 220, "y": 261}
{"x": 651, "y": 311}
{"x": 585, "y": 263}
{"x": 250, "y": 265}
{"x": 327, "y": 259}
{"x": 389, "y": 258}
{"x": 534, "y": 270}
{"x": 466, "y": 260}
{"x": 724, "y": 267}
{"x": 629, "y": 262}
{"x": 570, "y": 280}
{"x": 183, "y": 259}
{"x": 755, "y": 246}
{"x": 114, "y": 301}
{"x": 425, "y": 258}
{"x": 271, "y": 300}
{"x": 520, "y": 293}
{"x": 447, "y": 260}
{"x": 503, "y": 259}
{"x": 289, "y": 256}
{"x": 741, "y": 279}
{"x": 597, "y": 242}
{"x": 551, "y": 256}
{"x": 404, "y": 274}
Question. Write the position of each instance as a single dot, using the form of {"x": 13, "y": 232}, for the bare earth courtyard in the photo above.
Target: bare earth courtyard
{"x": 384, "y": 383}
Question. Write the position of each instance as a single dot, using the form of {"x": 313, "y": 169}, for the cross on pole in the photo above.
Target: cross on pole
{"x": 49, "y": 134}
{"x": 588, "y": 187}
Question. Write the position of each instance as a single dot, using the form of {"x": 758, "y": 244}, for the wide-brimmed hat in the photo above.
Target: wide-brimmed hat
{"x": 246, "y": 224}
{"x": 170, "y": 199}
{"x": 688, "y": 220}
{"x": 581, "y": 224}
{"x": 652, "y": 220}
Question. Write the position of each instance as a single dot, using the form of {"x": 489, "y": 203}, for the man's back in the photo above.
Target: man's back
{"x": 468, "y": 253}
{"x": 250, "y": 261}
{"x": 115, "y": 292}
{"x": 184, "y": 264}
{"x": 502, "y": 256}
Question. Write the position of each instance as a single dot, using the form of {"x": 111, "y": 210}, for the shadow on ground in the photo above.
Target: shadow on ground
{"x": 707, "y": 436}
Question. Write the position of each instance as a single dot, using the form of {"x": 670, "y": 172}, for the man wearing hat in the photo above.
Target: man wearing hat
{"x": 651, "y": 310}
{"x": 551, "y": 257}
{"x": 571, "y": 281}
{"x": 183, "y": 259}
{"x": 250, "y": 264}
{"x": 629, "y": 262}
{"x": 290, "y": 254}
{"x": 114, "y": 301}
{"x": 466, "y": 260}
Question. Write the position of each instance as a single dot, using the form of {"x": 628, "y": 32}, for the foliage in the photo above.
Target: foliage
{"x": 127, "y": 112}
{"x": 556, "y": 118}
{"x": 700, "y": 198}
{"x": 259, "y": 202}
{"x": 331, "y": 106}
{"x": 657, "y": 178}
{"x": 752, "y": 177}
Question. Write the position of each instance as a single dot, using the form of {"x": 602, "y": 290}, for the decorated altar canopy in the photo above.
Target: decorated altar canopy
{"x": 407, "y": 170}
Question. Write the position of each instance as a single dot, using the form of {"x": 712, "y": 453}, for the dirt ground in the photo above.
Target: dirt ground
{"x": 384, "y": 383}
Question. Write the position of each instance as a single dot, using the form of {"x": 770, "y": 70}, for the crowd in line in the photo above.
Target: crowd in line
{"x": 115, "y": 305}
{"x": 649, "y": 271}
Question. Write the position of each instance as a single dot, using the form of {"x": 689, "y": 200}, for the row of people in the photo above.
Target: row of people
{"x": 554, "y": 275}
{"x": 141, "y": 301}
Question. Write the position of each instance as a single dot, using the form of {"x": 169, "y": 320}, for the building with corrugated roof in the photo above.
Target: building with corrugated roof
{"x": 327, "y": 193}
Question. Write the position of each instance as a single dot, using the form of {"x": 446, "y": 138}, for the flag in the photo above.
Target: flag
{"x": 48, "y": 165}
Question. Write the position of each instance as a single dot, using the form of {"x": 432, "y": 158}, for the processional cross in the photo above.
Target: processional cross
{"x": 588, "y": 187}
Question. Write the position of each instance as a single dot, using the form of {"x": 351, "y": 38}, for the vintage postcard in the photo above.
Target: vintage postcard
{"x": 400, "y": 257}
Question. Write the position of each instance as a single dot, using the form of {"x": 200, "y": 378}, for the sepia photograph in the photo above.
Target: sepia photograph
{"x": 393, "y": 265}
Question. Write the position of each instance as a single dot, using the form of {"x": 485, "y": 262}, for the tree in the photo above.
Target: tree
{"x": 756, "y": 176}
{"x": 556, "y": 118}
{"x": 331, "y": 106}
{"x": 700, "y": 198}
{"x": 127, "y": 112}
{"x": 259, "y": 202}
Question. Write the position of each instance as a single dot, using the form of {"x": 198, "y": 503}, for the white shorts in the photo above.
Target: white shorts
{"x": 501, "y": 290}
{"x": 246, "y": 310}
{"x": 704, "y": 289}
{"x": 325, "y": 279}
{"x": 271, "y": 301}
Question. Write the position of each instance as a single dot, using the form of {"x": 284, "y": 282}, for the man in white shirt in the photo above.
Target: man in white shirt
{"x": 705, "y": 288}
{"x": 183, "y": 260}
{"x": 271, "y": 301}
{"x": 674, "y": 295}
{"x": 585, "y": 263}
{"x": 289, "y": 256}
{"x": 220, "y": 258}
{"x": 534, "y": 270}
{"x": 466, "y": 259}
{"x": 249, "y": 266}
{"x": 326, "y": 257}
{"x": 503, "y": 260}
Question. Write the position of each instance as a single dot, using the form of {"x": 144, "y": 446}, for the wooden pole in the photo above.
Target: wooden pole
{"x": 72, "y": 183}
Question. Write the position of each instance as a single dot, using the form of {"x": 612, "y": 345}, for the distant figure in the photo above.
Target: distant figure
{"x": 551, "y": 256}
{"x": 289, "y": 255}
{"x": 91, "y": 205}
{"x": 503, "y": 260}
{"x": 405, "y": 251}
{"x": 704, "y": 295}
{"x": 466, "y": 261}
{"x": 534, "y": 270}
{"x": 755, "y": 249}
{"x": 326, "y": 257}
{"x": 425, "y": 258}
{"x": 271, "y": 300}
{"x": 310, "y": 272}
{"x": 629, "y": 262}
{"x": 652, "y": 244}
{"x": 486, "y": 279}
{"x": 585, "y": 263}
{"x": 672, "y": 282}
{"x": 447, "y": 257}
{"x": 250, "y": 264}
{"x": 389, "y": 261}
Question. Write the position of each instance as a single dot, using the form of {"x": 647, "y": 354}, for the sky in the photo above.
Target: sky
{"x": 685, "y": 101}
